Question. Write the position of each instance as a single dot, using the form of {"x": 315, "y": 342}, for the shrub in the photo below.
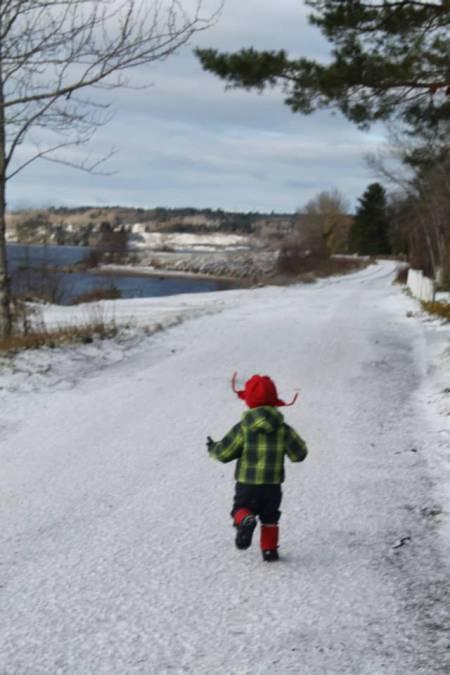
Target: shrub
{"x": 291, "y": 255}
{"x": 307, "y": 269}
{"x": 335, "y": 266}
{"x": 303, "y": 252}
{"x": 92, "y": 259}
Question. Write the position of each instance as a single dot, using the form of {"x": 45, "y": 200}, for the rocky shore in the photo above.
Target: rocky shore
{"x": 247, "y": 266}
{"x": 240, "y": 265}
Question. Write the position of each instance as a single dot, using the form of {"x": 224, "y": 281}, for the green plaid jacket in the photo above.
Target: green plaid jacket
{"x": 259, "y": 442}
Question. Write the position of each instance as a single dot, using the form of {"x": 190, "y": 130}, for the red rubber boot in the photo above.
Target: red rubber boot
{"x": 269, "y": 542}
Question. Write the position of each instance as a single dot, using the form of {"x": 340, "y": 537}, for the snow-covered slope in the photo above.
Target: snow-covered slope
{"x": 179, "y": 241}
{"x": 117, "y": 551}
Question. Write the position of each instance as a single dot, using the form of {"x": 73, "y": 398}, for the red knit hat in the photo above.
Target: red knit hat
{"x": 259, "y": 390}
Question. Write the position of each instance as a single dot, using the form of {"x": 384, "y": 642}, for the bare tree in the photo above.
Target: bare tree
{"x": 327, "y": 214}
{"x": 54, "y": 57}
{"x": 420, "y": 171}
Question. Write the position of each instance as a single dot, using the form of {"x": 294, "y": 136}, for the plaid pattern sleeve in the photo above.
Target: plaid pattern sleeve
{"x": 296, "y": 448}
{"x": 230, "y": 447}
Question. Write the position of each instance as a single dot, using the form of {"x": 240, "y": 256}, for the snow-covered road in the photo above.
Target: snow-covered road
{"x": 117, "y": 553}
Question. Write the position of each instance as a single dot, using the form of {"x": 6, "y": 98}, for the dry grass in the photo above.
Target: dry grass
{"x": 311, "y": 269}
{"x": 441, "y": 309}
{"x": 30, "y": 332}
{"x": 111, "y": 293}
{"x": 334, "y": 266}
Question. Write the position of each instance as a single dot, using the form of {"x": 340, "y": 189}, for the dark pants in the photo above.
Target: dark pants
{"x": 262, "y": 500}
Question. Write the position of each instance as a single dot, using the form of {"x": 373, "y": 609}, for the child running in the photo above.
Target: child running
{"x": 259, "y": 442}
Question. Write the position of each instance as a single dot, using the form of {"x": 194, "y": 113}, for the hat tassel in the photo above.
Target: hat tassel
{"x": 293, "y": 400}
{"x": 233, "y": 383}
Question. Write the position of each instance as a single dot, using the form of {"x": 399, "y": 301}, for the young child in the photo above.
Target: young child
{"x": 259, "y": 442}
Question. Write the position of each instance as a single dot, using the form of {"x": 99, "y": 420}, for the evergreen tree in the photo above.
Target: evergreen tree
{"x": 389, "y": 59}
{"x": 369, "y": 234}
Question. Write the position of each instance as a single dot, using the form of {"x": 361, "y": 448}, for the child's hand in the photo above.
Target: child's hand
{"x": 209, "y": 443}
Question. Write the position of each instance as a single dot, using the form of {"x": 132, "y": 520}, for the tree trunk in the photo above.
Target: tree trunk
{"x": 5, "y": 308}
{"x": 5, "y": 311}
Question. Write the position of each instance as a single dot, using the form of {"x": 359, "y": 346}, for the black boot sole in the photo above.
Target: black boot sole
{"x": 245, "y": 532}
{"x": 270, "y": 555}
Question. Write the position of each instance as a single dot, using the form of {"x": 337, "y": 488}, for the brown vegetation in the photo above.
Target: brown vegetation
{"x": 57, "y": 337}
{"x": 97, "y": 294}
{"x": 401, "y": 274}
{"x": 30, "y": 332}
{"x": 441, "y": 309}
{"x": 328, "y": 214}
{"x": 294, "y": 265}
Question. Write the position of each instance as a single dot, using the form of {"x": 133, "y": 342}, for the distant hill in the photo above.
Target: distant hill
{"x": 66, "y": 225}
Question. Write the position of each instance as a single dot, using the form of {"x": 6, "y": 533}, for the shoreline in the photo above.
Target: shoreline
{"x": 226, "y": 281}
{"x": 127, "y": 269}
{"x": 124, "y": 271}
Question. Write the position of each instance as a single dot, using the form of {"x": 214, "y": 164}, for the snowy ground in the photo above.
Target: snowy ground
{"x": 117, "y": 553}
{"x": 179, "y": 241}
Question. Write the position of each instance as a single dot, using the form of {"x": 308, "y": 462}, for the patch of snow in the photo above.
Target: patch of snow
{"x": 187, "y": 241}
{"x": 443, "y": 296}
{"x": 434, "y": 398}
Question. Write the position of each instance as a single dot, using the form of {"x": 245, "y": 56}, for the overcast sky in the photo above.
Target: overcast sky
{"x": 186, "y": 142}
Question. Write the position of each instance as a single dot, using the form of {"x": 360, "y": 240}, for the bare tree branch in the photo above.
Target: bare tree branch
{"x": 50, "y": 52}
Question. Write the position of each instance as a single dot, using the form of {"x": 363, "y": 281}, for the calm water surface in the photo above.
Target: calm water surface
{"x": 26, "y": 262}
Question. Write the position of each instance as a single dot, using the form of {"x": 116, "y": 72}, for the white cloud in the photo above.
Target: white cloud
{"x": 185, "y": 141}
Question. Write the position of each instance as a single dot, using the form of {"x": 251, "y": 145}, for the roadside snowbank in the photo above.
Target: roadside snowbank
{"x": 434, "y": 398}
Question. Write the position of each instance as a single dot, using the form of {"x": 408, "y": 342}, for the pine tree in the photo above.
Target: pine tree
{"x": 369, "y": 234}
{"x": 390, "y": 59}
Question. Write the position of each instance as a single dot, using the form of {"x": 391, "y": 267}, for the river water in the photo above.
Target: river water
{"x": 26, "y": 263}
